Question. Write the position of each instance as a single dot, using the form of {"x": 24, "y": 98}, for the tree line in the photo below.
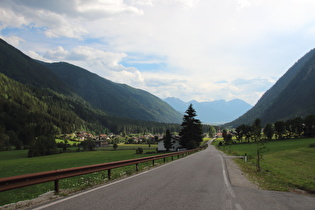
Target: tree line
{"x": 28, "y": 113}
{"x": 281, "y": 129}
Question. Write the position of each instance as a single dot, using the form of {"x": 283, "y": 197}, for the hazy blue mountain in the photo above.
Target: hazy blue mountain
{"x": 214, "y": 112}
{"x": 291, "y": 96}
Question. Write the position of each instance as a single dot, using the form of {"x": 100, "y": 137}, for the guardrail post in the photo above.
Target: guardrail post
{"x": 108, "y": 174}
{"x": 57, "y": 186}
{"x": 56, "y": 175}
{"x": 164, "y": 160}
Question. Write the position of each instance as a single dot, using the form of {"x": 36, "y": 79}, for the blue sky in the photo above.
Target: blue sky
{"x": 200, "y": 50}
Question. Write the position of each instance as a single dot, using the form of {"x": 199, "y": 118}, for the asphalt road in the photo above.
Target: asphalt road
{"x": 199, "y": 181}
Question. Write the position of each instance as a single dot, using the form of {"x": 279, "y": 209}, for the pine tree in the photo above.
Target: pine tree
{"x": 168, "y": 140}
{"x": 191, "y": 132}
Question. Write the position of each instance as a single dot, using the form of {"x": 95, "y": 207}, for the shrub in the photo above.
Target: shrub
{"x": 88, "y": 145}
{"x": 43, "y": 146}
{"x": 312, "y": 145}
{"x": 139, "y": 151}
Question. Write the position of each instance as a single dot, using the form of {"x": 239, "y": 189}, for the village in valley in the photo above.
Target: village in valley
{"x": 108, "y": 140}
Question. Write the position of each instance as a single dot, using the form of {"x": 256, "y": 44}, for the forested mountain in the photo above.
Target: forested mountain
{"x": 113, "y": 98}
{"x": 18, "y": 66}
{"x": 117, "y": 99}
{"x": 214, "y": 112}
{"x": 291, "y": 96}
{"x": 35, "y": 101}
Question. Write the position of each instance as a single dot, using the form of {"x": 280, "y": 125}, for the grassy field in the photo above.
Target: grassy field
{"x": 13, "y": 163}
{"x": 68, "y": 141}
{"x": 286, "y": 164}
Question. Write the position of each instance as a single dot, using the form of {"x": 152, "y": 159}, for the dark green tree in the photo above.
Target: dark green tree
{"x": 247, "y": 132}
{"x": 269, "y": 131}
{"x": 240, "y": 131}
{"x": 297, "y": 126}
{"x": 139, "y": 151}
{"x": 280, "y": 129}
{"x": 191, "y": 132}
{"x": 88, "y": 144}
{"x": 256, "y": 130}
{"x": 227, "y": 137}
{"x": 212, "y": 131}
{"x": 309, "y": 130}
{"x": 168, "y": 140}
{"x": 43, "y": 145}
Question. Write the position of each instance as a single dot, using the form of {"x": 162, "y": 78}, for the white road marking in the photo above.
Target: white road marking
{"x": 227, "y": 183}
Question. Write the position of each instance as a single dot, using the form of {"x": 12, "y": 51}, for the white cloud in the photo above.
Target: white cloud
{"x": 10, "y": 18}
{"x": 57, "y": 54}
{"x": 242, "y": 42}
{"x": 103, "y": 63}
{"x": 12, "y": 40}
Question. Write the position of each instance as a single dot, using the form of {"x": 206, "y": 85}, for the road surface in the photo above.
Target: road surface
{"x": 198, "y": 181}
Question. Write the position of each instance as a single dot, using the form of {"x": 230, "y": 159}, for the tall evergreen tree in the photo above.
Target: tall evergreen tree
{"x": 191, "y": 132}
{"x": 269, "y": 131}
{"x": 168, "y": 140}
{"x": 256, "y": 130}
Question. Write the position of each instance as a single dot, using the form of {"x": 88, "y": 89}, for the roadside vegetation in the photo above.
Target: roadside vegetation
{"x": 280, "y": 155}
{"x": 16, "y": 162}
{"x": 282, "y": 160}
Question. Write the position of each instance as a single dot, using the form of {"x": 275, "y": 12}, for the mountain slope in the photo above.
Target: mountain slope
{"x": 117, "y": 99}
{"x": 218, "y": 111}
{"x": 291, "y": 96}
{"x": 18, "y": 66}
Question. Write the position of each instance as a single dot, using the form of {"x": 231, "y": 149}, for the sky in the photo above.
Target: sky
{"x": 202, "y": 50}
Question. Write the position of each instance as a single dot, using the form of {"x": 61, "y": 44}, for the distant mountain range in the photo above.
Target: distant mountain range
{"x": 291, "y": 96}
{"x": 215, "y": 112}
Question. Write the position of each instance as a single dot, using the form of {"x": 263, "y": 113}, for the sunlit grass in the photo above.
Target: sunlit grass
{"x": 13, "y": 163}
{"x": 286, "y": 165}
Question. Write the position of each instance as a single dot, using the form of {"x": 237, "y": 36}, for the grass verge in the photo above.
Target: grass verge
{"x": 13, "y": 163}
{"x": 286, "y": 165}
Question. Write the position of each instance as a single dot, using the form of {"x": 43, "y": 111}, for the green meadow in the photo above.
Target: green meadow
{"x": 287, "y": 165}
{"x": 13, "y": 163}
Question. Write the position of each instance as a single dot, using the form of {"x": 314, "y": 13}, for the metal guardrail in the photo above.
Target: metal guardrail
{"x": 14, "y": 182}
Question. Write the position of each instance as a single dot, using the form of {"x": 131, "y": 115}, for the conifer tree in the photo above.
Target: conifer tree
{"x": 191, "y": 132}
{"x": 168, "y": 140}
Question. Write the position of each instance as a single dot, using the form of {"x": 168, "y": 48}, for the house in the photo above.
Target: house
{"x": 102, "y": 137}
{"x": 101, "y": 143}
{"x": 175, "y": 144}
{"x": 82, "y": 135}
{"x": 218, "y": 135}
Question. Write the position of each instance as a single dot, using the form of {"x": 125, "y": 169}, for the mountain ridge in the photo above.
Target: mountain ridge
{"x": 125, "y": 101}
{"x": 291, "y": 96}
{"x": 213, "y": 112}
{"x": 119, "y": 100}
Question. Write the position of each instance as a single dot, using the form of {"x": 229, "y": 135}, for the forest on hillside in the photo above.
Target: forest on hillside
{"x": 27, "y": 113}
